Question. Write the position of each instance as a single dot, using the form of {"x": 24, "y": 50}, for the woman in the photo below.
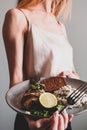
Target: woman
{"x": 37, "y": 46}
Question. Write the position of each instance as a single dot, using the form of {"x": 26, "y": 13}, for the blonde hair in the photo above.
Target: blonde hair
{"x": 60, "y": 8}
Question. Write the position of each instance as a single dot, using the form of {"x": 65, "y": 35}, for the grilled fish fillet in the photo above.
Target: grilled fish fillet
{"x": 53, "y": 83}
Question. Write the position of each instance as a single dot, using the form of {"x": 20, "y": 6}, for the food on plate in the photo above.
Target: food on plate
{"x": 62, "y": 94}
{"x": 36, "y": 97}
{"x": 48, "y": 100}
{"x": 30, "y": 97}
{"x": 53, "y": 83}
{"x": 44, "y": 97}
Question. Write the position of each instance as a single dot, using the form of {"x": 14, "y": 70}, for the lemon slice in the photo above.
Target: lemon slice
{"x": 48, "y": 100}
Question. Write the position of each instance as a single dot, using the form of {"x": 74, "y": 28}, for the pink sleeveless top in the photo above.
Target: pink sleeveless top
{"x": 47, "y": 53}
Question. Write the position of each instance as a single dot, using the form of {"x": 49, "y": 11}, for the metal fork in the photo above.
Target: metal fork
{"x": 76, "y": 95}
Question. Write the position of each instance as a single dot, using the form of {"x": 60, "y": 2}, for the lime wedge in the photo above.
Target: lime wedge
{"x": 48, "y": 100}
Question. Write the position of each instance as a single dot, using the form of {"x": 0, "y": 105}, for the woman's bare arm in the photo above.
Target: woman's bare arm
{"x": 14, "y": 28}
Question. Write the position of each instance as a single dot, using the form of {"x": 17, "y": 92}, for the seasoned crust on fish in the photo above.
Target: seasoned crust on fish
{"x": 53, "y": 83}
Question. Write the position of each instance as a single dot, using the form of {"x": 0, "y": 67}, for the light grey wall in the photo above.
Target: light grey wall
{"x": 77, "y": 30}
{"x": 7, "y": 115}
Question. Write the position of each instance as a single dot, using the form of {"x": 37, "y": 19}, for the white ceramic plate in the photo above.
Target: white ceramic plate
{"x": 14, "y": 96}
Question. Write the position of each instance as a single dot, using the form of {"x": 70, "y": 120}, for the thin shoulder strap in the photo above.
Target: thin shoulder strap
{"x": 28, "y": 20}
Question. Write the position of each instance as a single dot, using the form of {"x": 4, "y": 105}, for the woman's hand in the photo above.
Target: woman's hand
{"x": 60, "y": 121}
{"x": 55, "y": 122}
{"x": 69, "y": 74}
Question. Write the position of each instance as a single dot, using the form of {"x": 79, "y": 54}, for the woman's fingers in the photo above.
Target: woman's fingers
{"x": 65, "y": 117}
{"x": 62, "y": 74}
{"x": 68, "y": 74}
{"x": 70, "y": 117}
{"x": 65, "y": 74}
{"x": 54, "y": 121}
{"x": 60, "y": 123}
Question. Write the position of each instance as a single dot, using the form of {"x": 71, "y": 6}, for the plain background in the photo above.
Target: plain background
{"x": 77, "y": 31}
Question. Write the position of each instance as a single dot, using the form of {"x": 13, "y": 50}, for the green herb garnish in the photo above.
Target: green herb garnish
{"x": 59, "y": 107}
{"x": 36, "y": 86}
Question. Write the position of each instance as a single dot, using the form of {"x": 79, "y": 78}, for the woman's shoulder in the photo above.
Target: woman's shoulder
{"x": 15, "y": 16}
{"x": 12, "y": 13}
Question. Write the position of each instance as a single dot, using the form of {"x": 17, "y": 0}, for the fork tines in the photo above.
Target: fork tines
{"x": 78, "y": 93}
